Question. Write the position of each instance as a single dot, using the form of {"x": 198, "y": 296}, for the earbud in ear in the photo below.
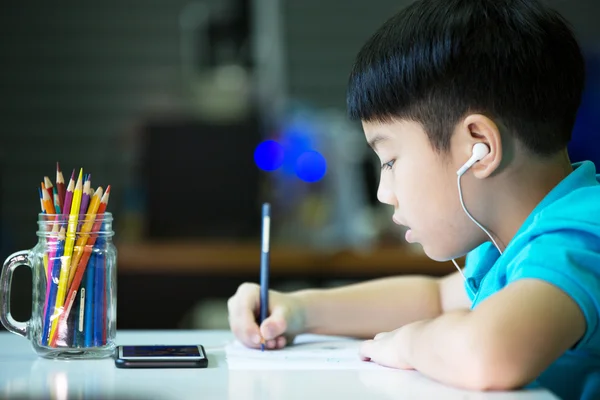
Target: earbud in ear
{"x": 480, "y": 150}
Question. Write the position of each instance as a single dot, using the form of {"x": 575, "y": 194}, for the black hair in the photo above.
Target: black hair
{"x": 515, "y": 61}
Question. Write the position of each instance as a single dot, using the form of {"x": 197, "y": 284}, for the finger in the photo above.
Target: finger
{"x": 281, "y": 342}
{"x": 365, "y": 350}
{"x": 374, "y": 351}
{"x": 271, "y": 344}
{"x": 275, "y": 325}
{"x": 242, "y": 322}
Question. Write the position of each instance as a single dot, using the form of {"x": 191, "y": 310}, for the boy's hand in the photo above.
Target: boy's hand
{"x": 286, "y": 317}
{"x": 388, "y": 348}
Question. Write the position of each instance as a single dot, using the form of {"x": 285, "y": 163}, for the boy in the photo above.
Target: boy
{"x": 439, "y": 83}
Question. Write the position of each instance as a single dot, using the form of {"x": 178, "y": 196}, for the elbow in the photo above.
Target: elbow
{"x": 491, "y": 370}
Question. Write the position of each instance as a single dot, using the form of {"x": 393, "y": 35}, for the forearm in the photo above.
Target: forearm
{"x": 365, "y": 309}
{"x": 452, "y": 350}
{"x": 441, "y": 348}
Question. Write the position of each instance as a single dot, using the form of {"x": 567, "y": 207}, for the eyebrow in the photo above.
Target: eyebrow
{"x": 378, "y": 138}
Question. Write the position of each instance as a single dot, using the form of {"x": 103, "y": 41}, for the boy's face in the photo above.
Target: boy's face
{"x": 420, "y": 184}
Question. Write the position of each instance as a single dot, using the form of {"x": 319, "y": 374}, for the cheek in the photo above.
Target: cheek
{"x": 427, "y": 197}
{"x": 415, "y": 186}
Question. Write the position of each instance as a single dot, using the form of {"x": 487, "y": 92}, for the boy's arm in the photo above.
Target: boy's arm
{"x": 365, "y": 309}
{"x": 505, "y": 343}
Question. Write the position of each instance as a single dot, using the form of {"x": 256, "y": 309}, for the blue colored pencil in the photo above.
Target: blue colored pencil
{"x": 81, "y": 295}
{"x": 75, "y": 315}
{"x": 99, "y": 298}
{"x": 55, "y": 272}
{"x": 264, "y": 265}
{"x": 88, "y": 316}
{"x": 42, "y": 200}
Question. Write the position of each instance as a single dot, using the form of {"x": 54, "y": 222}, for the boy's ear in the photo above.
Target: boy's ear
{"x": 477, "y": 128}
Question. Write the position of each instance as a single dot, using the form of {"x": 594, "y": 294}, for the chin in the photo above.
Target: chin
{"x": 436, "y": 254}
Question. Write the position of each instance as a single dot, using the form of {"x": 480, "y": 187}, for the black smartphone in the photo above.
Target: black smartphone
{"x": 161, "y": 356}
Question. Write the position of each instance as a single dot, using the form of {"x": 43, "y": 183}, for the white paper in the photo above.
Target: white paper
{"x": 309, "y": 352}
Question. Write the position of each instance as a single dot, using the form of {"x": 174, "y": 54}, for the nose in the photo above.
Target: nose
{"x": 385, "y": 193}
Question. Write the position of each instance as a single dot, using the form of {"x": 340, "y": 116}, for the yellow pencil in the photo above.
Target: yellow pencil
{"x": 63, "y": 279}
{"x": 89, "y": 220}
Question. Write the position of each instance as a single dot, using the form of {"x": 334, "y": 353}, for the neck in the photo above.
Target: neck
{"x": 520, "y": 190}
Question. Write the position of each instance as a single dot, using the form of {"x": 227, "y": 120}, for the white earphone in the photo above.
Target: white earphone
{"x": 480, "y": 150}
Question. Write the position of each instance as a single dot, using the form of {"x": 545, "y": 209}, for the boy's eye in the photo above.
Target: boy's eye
{"x": 388, "y": 165}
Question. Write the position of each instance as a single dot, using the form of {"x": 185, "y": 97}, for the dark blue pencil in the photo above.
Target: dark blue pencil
{"x": 264, "y": 265}
{"x": 88, "y": 316}
{"x": 75, "y": 310}
{"x": 81, "y": 295}
{"x": 98, "y": 299}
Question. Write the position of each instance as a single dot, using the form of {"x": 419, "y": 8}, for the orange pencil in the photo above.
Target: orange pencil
{"x": 49, "y": 187}
{"x": 47, "y": 201}
{"x": 87, "y": 252}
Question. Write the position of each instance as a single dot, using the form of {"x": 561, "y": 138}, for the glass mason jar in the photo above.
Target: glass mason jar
{"x": 74, "y": 308}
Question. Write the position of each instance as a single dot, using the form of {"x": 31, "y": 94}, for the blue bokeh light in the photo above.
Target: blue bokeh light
{"x": 311, "y": 166}
{"x": 269, "y": 155}
{"x": 294, "y": 144}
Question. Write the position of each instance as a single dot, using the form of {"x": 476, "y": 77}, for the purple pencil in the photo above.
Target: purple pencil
{"x": 68, "y": 198}
{"x": 85, "y": 200}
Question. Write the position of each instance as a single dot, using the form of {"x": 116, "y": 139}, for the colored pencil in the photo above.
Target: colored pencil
{"x": 88, "y": 322}
{"x": 99, "y": 294}
{"x": 49, "y": 187}
{"x": 60, "y": 186}
{"x": 77, "y": 269}
{"x": 87, "y": 222}
{"x": 81, "y": 298}
{"x": 56, "y": 200}
{"x": 85, "y": 201}
{"x": 41, "y": 201}
{"x": 68, "y": 252}
{"x": 87, "y": 252}
{"x": 54, "y": 273}
{"x": 106, "y": 295}
{"x": 47, "y": 201}
{"x": 50, "y": 255}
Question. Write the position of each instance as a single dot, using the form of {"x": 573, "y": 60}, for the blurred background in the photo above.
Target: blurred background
{"x": 196, "y": 113}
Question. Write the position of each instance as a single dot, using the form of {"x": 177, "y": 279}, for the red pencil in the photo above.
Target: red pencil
{"x": 60, "y": 186}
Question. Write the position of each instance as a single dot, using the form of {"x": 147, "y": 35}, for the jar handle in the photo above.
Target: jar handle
{"x": 11, "y": 263}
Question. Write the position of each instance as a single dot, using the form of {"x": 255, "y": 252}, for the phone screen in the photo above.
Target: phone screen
{"x": 160, "y": 352}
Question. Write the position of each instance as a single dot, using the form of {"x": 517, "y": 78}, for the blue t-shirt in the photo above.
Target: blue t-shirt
{"x": 558, "y": 243}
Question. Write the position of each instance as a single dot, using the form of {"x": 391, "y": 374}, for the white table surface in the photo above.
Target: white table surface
{"x": 23, "y": 374}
